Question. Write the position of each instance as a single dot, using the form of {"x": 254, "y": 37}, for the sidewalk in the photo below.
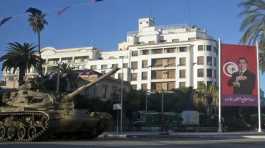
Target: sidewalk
{"x": 188, "y": 135}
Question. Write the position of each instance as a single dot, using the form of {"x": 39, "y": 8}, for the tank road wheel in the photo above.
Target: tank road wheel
{"x": 11, "y": 132}
{"x": 2, "y": 131}
{"x": 21, "y": 132}
{"x": 32, "y": 132}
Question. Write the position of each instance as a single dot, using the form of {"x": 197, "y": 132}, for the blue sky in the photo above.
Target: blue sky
{"x": 106, "y": 23}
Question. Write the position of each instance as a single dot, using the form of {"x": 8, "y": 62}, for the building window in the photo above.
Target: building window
{"x": 134, "y": 53}
{"x": 200, "y": 60}
{"x": 208, "y": 47}
{"x": 175, "y": 40}
{"x": 182, "y": 61}
{"x": 209, "y": 73}
{"x": 166, "y": 62}
{"x": 104, "y": 66}
{"x": 66, "y": 60}
{"x": 182, "y": 73}
{"x": 151, "y": 42}
{"x": 134, "y": 87}
{"x": 125, "y": 65}
{"x": 104, "y": 89}
{"x": 81, "y": 59}
{"x": 209, "y": 83}
{"x": 162, "y": 41}
{"x": 214, "y": 73}
{"x": 200, "y": 48}
{"x": 200, "y": 73}
{"x": 157, "y": 51}
{"x": 158, "y": 86}
{"x": 182, "y": 84}
{"x": 200, "y": 84}
{"x": 171, "y": 85}
{"x": 114, "y": 66}
{"x": 53, "y": 61}
{"x": 144, "y": 63}
{"x": 134, "y": 65}
{"x": 170, "y": 50}
{"x": 144, "y": 86}
{"x": 134, "y": 76}
{"x": 93, "y": 67}
{"x": 163, "y": 74}
{"x": 144, "y": 75}
{"x": 171, "y": 74}
{"x": 10, "y": 78}
{"x": 145, "y": 52}
{"x": 214, "y": 61}
{"x": 209, "y": 60}
{"x": 215, "y": 49}
{"x": 51, "y": 69}
{"x": 157, "y": 62}
{"x": 171, "y": 61}
{"x": 182, "y": 49}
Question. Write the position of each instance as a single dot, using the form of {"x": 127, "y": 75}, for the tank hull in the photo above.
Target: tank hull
{"x": 51, "y": 125}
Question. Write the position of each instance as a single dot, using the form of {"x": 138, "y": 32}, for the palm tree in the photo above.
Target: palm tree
{"x": 37, "y": 22}
{"x": 207, "y": 96}
{"x": 21, "y": 57}
{"x": 253, "y": 26}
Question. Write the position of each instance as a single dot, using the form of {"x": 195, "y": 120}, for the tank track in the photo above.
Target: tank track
{"x": 22, "y": 126}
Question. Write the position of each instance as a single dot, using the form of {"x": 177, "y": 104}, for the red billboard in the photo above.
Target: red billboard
{"x": 238, "y": 75}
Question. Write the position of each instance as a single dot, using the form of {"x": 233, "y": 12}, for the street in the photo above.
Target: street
{"x": 145, "y": 143}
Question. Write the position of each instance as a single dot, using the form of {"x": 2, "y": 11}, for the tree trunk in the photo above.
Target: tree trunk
{"x": 21, "y": 76}
{"x": 40, "y": 70}
{"x": 39, "y": 42}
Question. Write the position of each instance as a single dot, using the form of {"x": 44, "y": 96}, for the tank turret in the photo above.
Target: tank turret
{"x": 30, "y": 112}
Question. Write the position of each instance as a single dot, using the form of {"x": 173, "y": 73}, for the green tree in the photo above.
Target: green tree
{"x": 22, "y": 57}
{"x": 253, "y": 26}
{"x": 206, "y": 96}
{"x": 37, "y": 21}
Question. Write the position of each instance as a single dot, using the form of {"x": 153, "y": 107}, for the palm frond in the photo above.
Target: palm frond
{"x": 20, "y": 56}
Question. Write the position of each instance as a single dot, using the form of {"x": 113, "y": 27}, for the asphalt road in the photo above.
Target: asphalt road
{"x": 144, "y": 143}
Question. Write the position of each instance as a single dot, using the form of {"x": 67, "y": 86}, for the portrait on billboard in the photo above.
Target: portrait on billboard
{"x": 242, "y": 79}
{"x": 238, "y": 75}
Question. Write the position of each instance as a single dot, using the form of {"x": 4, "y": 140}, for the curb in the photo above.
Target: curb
{"x": 185, "y": 135}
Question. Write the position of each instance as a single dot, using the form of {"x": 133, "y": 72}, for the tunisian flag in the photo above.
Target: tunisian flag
{"x": 239, "y": 75}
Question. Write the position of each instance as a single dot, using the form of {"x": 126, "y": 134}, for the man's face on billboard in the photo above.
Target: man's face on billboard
{"x": 243, "y": 65}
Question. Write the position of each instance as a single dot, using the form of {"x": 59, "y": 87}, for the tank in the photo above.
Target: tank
{"x": 29, "y": 114}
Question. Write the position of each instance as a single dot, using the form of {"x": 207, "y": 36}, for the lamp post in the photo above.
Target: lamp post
{"x": 148, "y": 93}
{"x": 58, "y": 78}
{"x": 121, "y": 122}
{"x": 146, "y": 97}
{"x": 162, "y": 114}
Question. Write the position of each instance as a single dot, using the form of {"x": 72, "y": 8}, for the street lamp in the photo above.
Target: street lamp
{"x": 58, "y": 77}
{"x": 146, "y": 99}
{"x": 146, "y": 96}
{"x": 121, "y": 122}
{"x": 162, "y": 115}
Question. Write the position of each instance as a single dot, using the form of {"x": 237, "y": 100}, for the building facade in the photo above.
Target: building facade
{"x": 156, "y": 58}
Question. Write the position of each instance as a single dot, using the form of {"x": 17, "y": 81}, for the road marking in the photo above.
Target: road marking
{"x": 255, "y": 137}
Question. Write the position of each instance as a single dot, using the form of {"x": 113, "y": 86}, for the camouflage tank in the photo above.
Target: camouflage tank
{"x": 29, "y": 114}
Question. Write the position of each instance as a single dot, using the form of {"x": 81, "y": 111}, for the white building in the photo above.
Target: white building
{"x": 153, "y": 58}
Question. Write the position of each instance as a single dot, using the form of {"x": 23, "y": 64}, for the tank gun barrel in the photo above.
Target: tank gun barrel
{"x": 82, "y": 88}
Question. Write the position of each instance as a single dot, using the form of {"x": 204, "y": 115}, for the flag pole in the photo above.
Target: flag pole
{"x": 219, "y": 85}
{"x": 258, "y": 76}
